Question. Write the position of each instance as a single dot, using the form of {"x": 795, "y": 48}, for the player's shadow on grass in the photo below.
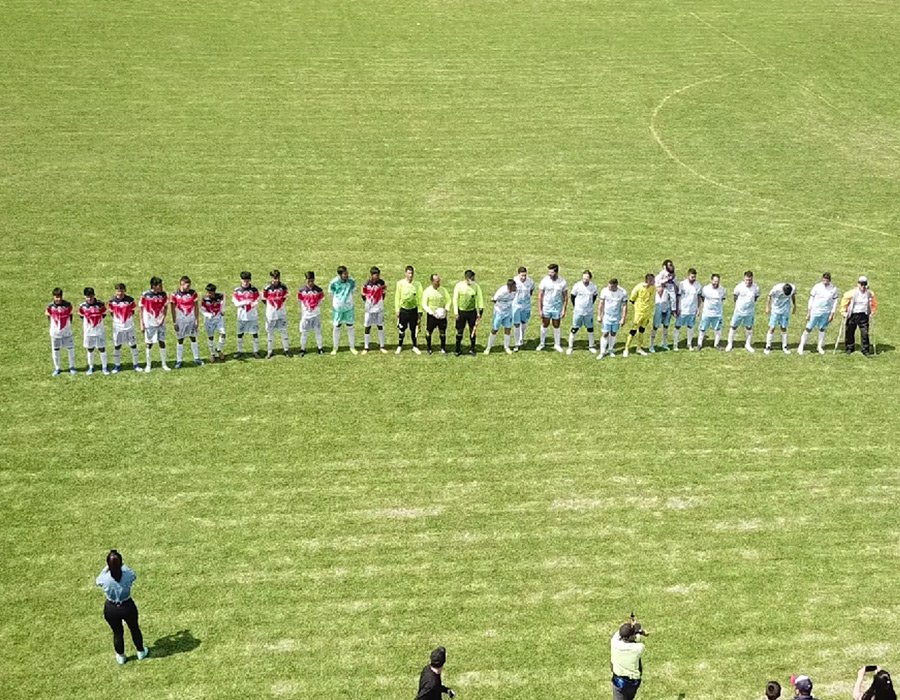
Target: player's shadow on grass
{"x": 177, "y": 643}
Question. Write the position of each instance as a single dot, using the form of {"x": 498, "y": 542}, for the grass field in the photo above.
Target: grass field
{"x": 313, "y": 527}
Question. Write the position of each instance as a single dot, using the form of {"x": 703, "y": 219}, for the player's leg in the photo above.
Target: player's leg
{"x": 442, "y": 334}
{"x": 557, "y": 333}
{"x": 351, "y": 337}
{"x": 490, "y": 340}
{"x": 690, "y": 332}
{"x": 676, "y": 333}
{"x": 863, "y": 325}
{"x": 460, "y": 328}
{"x": 255, "y": 339}
{"x": 667, "y": 320}
{"x": 179, "y": 350}
{"x": 367, "y": 334}
{"x": 381, "y": 337}
{"x": 732, "y": 329}
{"x": 117, "y": 352}
{"x": 770, "y": 334}
{"x": 632, "y": 332}
{"x": 429, "y": 331}
{"x": 414, "y": 330}
{"x": 507, "y": 332}
{"x": 590, "y": 334}
{"x": 317, "y": 327}
{"x": 545, "y": 322}
{"x": 112, "y": 613}
{"x": 823, "y": 325}
{"x": 54, "y": 353}
{"x": 642, "y": 329}
{"x": 270, "y": 338}
{"x": 131, "y": 619}
{"x": 572, "y": 334}
{"x": 748, "y": 337}
{"x": 335, "y": 337}
{"x": 604, "y": 340}
{"x": 89, "y": 344}
{"x": 402, "y": 324}
{"x": 163, "y": 353}
{"x": 472, "y": 332}
{"x": 103, "y": 362}
{"x": 69, "y": 344}
{"x": 850, "y": 334}
{"x": 784, "y": 339}
{"x": 303, "y": 333}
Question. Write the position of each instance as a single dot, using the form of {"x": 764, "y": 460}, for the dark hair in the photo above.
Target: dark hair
{"x": 628, "y": 631}
{"x": 469, "y": 274}
{"x": 826, "y": 275}
{"x": 433, "y": 275}
{"x": 88, "y": 291}
{"x": 374, "y": 271}
{"x": 882, "y": 688}
{"x": 649, "y": 277}
{"x": 788, "y": 289}
{"x": 57, "y": 291}
{"x": 310, "y": 275}
{"x": 614, "y": 280}
{"x": 522, "y": 268}
{"x": 210, "y": 287}
{"x": 553, "y": 266}
{"x": 773, "y": 690}
{"x": 715, "y": 274}
{"x": 185, "y": 278}
{"x": 692, "y": 270}
{"x": 510, "y": 283}
{"x": 748, "y": 273}
{"x": 155, "y": 281}
{"x": 121, "y": 285}
{"x": 588, "y": 273}
{"x": 114, "y": 562}
{"x": 410, "y": 268}
{"x": 246, "y": 275}
{"x": 275, "y": 273}
{"x": 667, "y": 262}
{"x": 341, "y": 269}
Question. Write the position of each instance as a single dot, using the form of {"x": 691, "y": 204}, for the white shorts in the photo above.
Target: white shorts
{"x": 125, "y": 337}
{"x": 64, "y": 341}
{"x": 312, "y": 323}
{"x": 95, "y": 341}
{"x": 373, "y": 318}
{"x": 276, "y": 324}
{"x": 213, "y": 326}
{"x": 186, "y": 327}
{"x": 251, "y": 327}
{"x": 154, "y": 334}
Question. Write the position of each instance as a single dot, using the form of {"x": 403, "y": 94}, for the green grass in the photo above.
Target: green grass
{"x": 319, "y": 524}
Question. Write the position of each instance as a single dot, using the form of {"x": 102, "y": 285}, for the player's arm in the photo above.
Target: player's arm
{"x": 419, "y": 292}
{"x": 479, "y": 302}
{"x": 624, "y": 314}
{"x": 600, "y": 309}
{"x": 565, "y": 305}
{"x": 456, "y": 301}
{"x": 794, "y": 302}
{"x": 769, "y": 304}
{"x": 834, "y": 304}
{"x": 397, "y": 296}
{"x": 541, "y": 300}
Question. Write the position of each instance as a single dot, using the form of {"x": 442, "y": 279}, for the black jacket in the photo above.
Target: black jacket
{"x": 430, "y": 686}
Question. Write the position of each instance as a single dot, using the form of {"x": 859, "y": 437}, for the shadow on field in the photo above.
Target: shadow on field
{"x": 177, "y": 643}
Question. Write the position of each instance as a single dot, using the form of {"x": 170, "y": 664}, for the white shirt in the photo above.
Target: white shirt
{"x": 666, "y": 280}
{"x": 554, "y": 293}
{"x": 713, "y": 300}
{"x": 503, "y": 301}
{"x": 584, "y": 294}
{"x": 823, "y": 299}
{"x": 859, "y": 302}
{"x": 745, "y": 298}
{"x": 612, "y": 303}
{"x": 781, "y": 302}
{"x": 663, "y": 298}
{"x": 690, "y": 291}
{"x": 524, "y": 290}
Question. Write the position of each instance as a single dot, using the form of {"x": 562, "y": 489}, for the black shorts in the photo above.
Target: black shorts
{"x": 408, "y": 318}
{"x": 466, "y": 317}
{"x": 432, "y": 322}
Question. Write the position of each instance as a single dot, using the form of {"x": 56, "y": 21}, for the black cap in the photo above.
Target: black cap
{"x": 438, "y": 657}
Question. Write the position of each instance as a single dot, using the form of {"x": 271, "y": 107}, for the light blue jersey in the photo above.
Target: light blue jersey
{"x": 554, "y": 296}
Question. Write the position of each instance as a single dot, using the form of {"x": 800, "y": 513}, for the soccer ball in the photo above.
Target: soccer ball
{"x": 440, "y": 312}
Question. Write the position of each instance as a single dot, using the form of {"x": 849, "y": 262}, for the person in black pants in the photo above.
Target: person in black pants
{"x": 430, "y": 685}
{"x": 116, "y": 580}
{"x": 860, "y": 306}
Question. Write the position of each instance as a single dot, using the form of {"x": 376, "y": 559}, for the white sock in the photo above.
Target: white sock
{"x": 784, "y": 342}
{"x": 748, "y": 337}
{"x": 55, "y": 354}
{"x": 490, "y": 341}
{"x": 71, "y": 357}
{"x": 240, "y": 343}
{"x": 731, "y": 336}
{"x": 117, "y": 355}
{"x": 366, "y": 337}
{"x": 665, "y": 335}
{"x": 821, "y": 339}
{"x": 148, "y": 357}
{"x": 506, "y": 341}
{"x": 285, "y": 343}
{"x": 556, "y": 336}
{"x": 335, "y": 337}
{"x": 571, "y": 339}
{"x": 221, "y": 342}
{"x": 270, "y": 339}
{"x": 653, "y": 337}
{"x": 690, "y": 338}
{"x": 769, "y": 337}
{"x": 302, "y": 341}
{"x": 543, "y": 335}
{"x": 90, "y": 359}
{"x": 195, "y": 349}
{"x": 700, "y": 339}
{"x": 103, "y": 359}
{"x": 803, "y": 338}
{"x": 676, "y": 336}
{"x": 163, "y": 355}
{"x": 718, "y": 337}
{"x": 381, "y": 337}
{"x": 134, "y": 355}
{"x": 612, "y": 342}
{"x": 590, "y": 339}
{"x": 602, "y": 345}
{"x": 319, "y": 338}
{"x": 351, "y": 335}
{"x": 255, "y": 343}
{"x": 212, "y": 348}
{"x": 179, "y": 352}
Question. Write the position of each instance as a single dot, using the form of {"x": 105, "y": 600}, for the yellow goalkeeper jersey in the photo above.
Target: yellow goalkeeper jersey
{"x": 643, "y": 298}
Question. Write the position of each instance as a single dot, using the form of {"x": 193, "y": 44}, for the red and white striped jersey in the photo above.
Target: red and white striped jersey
{"x": 60, "y": 316}
{"x": 122, "y": 312}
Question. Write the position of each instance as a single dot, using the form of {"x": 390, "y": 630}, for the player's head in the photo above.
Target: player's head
{"x": 788, "y": 289}
{"x": 246, "y": 279}
{"x": 342, "y": 273}
{"x": 511, "y": 285}
{"x": 715, "y": 280}
{"x": 374, "y": 274}
{"x": 826, "y": 278}
{"x": 114, "y": 562}
{"x": 275, "y": 275}
{"x": 57, "y": 294}
{"x": 469, "y": 275}
{"x": 89, "y": 293}
{"x": 649, "y": 279}
{"x": 692, "y": 275}
{"x": 614, "y": 284}
{"x": 410, "y": 272}
{"x": 553, "y": 270}
{"x": 668, "y": 266}
{"x": 523, "y": 273}
{"x": 310, "y": 278}
{"x": 438, "y": 658}
{"x": 863, "y": 282}
{"x": 748, "y": 277}
{"x": 210, "y": 289}
{"x": 435, "y": 281}
{"x": 120, "y": 290}
{"x": 184, "y": 283}
{"x": 155, "y": 284}
{"x": 587, "y": 276}
{"x": 773, "y": 690}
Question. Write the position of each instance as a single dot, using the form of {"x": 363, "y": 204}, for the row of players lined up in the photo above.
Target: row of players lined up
{"x": 657, "y": 301}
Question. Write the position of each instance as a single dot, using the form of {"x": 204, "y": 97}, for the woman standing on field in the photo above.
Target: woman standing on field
{"x": 116, "y": 580}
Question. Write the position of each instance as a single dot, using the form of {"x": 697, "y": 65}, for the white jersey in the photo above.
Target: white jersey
{"x": 823, "y": 299}
{"x": 690, "y": 293}
{"x": 713, "y": 300}
{"x": 667, "y": 281}
{"x": 860, "y": 302}
{"x": 781, "y": 302}
{"x": 554, "y": 293}
{"x": 585, "y": 296}
{"x": 524, "y": 290}
{"x": 745, "y": 298}
{"x": 613, "y": 301}
{"x": 663, "y": 299}
{"x": 503, "y": 301}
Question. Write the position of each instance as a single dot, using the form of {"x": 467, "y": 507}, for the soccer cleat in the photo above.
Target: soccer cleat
{"x": 767, "y": 350}
{"x": 801, "y": 351}
{"x": 599, "y": 356}
{"x": 786, "y": 351}
{"x": 383, "y": 350}
{"x": 57, "y": 372}
{"x": 73, "y": 371}
{"x": 167, "y": 368}
{"x": 664, "y": 347}
{"x": 509, "y": 351}
{"x": 652, "y": 348}
{"x": 333, "y": 351}
{"x": 472, "y": 352}
{"x": 675, "y": 348}
{"x": 398, "y": 350}
{"x": 106, "y": 372}
{"x": 539, "y": 347}
{"x": 365, "y": 351}
{"x": 198, "y": 362}
{"x": 641, "y": 351}
{"x": 178, "y": 365}
{"x": 146, "y": 369}
{"x": 287, "y": 353}
{"x": 558, "y": 348}
{"x": 90, "y": 371}
{"x": 592, "y": 350}
{"x": 516, "y": 349}
{"x": 458, "y": 353}
{"x": 728, "y": 347}
{"x": 625, "y": 353}
{"x": 487, "y": 351}
{"x": 255, "y": 355}
{"x": 239, "y": 356}
{"x": 749, "y": 348}
{"x": 429, "y": 351}
{"x": 269, "y": 355}
{"x": 570, "y": 351}
{"x": 612, "y": 354}
{"x": 120, "y": 659}
{"x": 821, "y": 351}
{"x": 416, "y": 350}
{"x": 142, "y": 654}
{"x": 321, "y": 351}
{"x": 354, "y": 351}
{"x": 303, "y": 353}
{"x": 116, "y": 369}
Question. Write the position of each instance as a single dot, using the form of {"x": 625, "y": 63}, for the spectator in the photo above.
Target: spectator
{"x": 773, "y": 690}
{"x": 882, "y": 687}
{"x": 803, "y": 686}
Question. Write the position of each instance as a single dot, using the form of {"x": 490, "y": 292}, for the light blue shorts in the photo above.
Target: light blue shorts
{"x": 820, "y": 322}
{"x": 779, "y": 320}
{"x": 339, "y": 316}
{"x": 583, "y": 321}
{"x": 552, "y": 315}
{"x": 745, "y": 320}
{"x": 611, "y": 327}
{"x": 685, "y": 320}
{"x": 660, "y": 317}
{"x": 711, "y": 323}
{"x": 499, "y": 322}
{"x": 521, "y": 316}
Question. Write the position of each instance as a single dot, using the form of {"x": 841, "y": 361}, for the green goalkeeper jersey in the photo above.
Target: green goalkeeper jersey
{"x": 408, "y": 296}
{"x": 467, "y": 297}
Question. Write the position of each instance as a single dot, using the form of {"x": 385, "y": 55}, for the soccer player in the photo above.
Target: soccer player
{"x": 59, "y": 311}
{"x": 275, "y": 294}
{"x": 662, "y": 314}
{"x": 820, "y": 310}
{"x": 584, "y": 295}
{"x": 373, "y": 292}
{"x": 436, "y": 303}
{"x": 341, "y": 289}
{"x": 468, "y": 307}
{"x": 643, "y": 297}
{"x": 212, "y": 306}
{"x": 612, "y": 313}
{"x": 122, "y": 308}
{"x": 780, "y": 304}
{"x": 553, "y": 302}
{"x": 712, "y": 310}
{"x": 688, "y": 307}
{"x": 186, "y": 317}
{"x": 407, "y": 305}
{"x": 503, "y": 315}
{"x": 745, "y": 296}
{"x": 522, "y": 305}
{"x": 154, "y": 303}
{"x": 246, "y": 298}
{"x": 310, "y": 297}
{"x": 93, "y": 312}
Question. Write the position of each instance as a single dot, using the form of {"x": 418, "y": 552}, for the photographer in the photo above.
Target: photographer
{"x": 625, "y": 660}
{"x": 430, "y": 685}
{"x": 882, "y": 687}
